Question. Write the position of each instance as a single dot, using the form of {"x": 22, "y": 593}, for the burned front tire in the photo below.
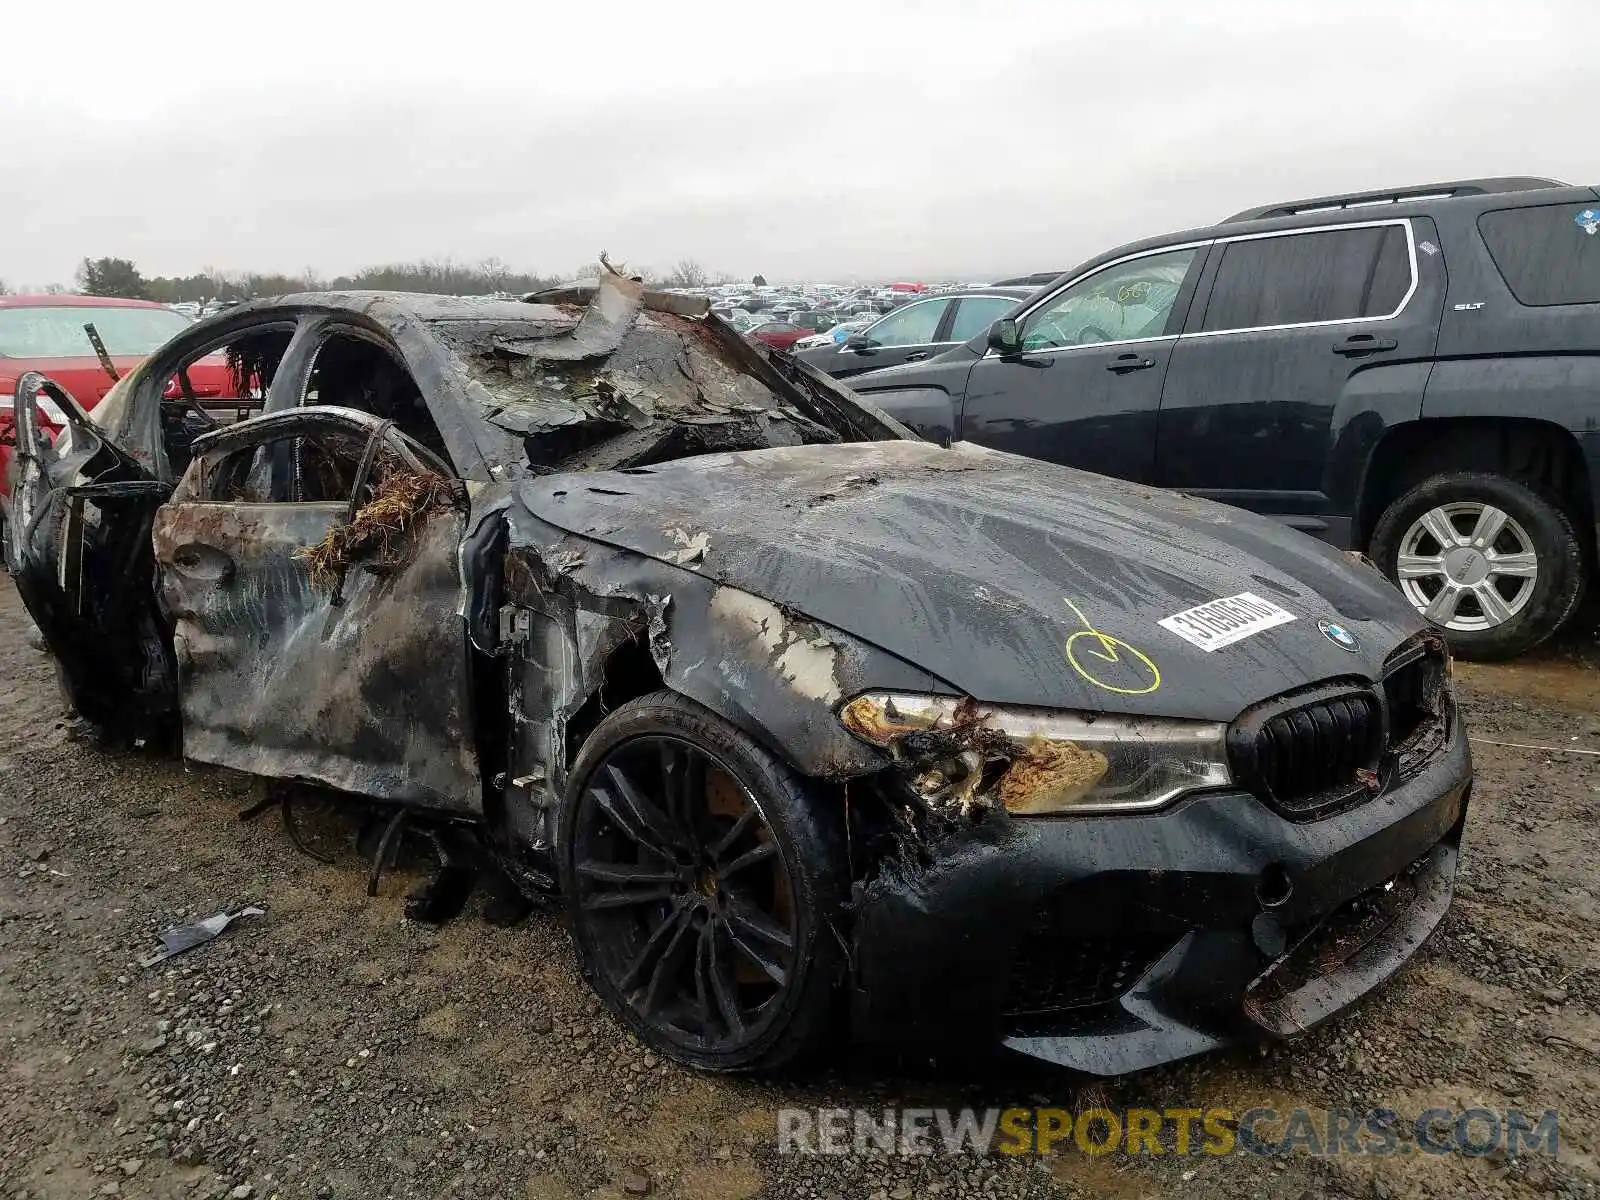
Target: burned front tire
{"x": 704, "y": 887}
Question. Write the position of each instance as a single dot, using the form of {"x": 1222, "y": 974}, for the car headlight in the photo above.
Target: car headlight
{"x": 959, "y": 754}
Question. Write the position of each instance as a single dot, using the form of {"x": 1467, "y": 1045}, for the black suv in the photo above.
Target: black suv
{"x": 1413, "y": 373}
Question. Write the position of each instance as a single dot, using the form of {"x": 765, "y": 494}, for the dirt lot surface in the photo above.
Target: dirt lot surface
{"x": 332, "y": 1048}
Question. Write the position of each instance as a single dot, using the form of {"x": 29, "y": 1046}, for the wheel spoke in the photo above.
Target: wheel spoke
{"x": 1442, "y": 608}
{"x": 1437, "y": 522}
{"x": 609, "y": 872}
{"x": 683, "y": 774}
{"x": 636, "y": 816}
{"x": 668, "y": 961}
{"x": 746, "y": 819}
{"x": 1490, "y": 522}
{"x": 1524, "y": 565}
{"x": 762, "y": 852}
{"x": 1419, "y": 566}
{"x": 645, "y": 960}
{"x": 756, "y": 935}
{"x": 723, "y": 987}
{"x": 1495, "y": 609}
{"x": 751, "y": 949}
{"x": 702, "y": 975}
{"x": 628, "y": 897}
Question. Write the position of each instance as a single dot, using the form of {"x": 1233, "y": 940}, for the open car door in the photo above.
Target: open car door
{"x": 78, "y": 547}
{"x": 308, "y": 561}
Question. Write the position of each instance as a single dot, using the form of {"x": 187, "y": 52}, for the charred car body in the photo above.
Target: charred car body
{"x": 804, "y": 718}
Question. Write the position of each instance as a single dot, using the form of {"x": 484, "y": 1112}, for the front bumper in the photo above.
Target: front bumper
{"x": 1112, "y": 944}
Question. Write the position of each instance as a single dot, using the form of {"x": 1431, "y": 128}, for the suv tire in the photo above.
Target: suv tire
{"x": 1495, "y": 561}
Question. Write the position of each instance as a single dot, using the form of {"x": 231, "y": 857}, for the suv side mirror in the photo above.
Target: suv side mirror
{"x": 859, "y": 341}
{"x": 1005, "y": 337}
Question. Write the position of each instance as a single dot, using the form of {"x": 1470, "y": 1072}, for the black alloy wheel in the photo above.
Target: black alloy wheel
{"x": 695, "y": 909}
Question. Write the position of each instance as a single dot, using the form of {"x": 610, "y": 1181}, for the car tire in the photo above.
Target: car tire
{"x": 1409, "y": 546}
{"x": 670, "y": 929}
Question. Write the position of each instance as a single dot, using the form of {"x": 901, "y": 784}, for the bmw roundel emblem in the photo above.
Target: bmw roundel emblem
{"x": 1339, "y": 635}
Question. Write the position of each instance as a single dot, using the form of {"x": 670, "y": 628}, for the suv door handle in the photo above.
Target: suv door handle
{"x": 1359, "y": 344}
{"x": 917, "y": 357}
{"x": 1123, "y": 363}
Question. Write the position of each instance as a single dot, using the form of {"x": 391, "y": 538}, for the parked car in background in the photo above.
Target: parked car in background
{"x": 916, "y": 331}
{"x": 780, "y": 335}
{"x": 1411, "y": 373}
{"x": 814, "y": 319}
{"x": 836, "y": 334}
{"x": 46, "y": 334}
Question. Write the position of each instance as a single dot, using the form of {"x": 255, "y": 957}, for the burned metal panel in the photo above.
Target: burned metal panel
{"x": 368, "y": 696}
{"x": 1017, "y": 581}
{"x": 571, "y": 603}
{"x": 78, "y": 547}
{"x": 629, "y": 379}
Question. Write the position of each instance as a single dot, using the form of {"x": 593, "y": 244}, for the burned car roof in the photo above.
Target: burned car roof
{"x": 585, "y": 378}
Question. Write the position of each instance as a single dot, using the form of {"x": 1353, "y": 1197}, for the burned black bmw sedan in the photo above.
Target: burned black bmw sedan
{"x": 818, "y": 730}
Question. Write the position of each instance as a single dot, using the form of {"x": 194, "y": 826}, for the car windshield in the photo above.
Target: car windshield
{"x": 56, "y": 331}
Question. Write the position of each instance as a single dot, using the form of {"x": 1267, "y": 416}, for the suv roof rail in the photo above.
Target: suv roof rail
{"x": 1425, "y": 191}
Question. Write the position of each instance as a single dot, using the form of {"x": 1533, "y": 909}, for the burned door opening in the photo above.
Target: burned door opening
{"x": 316, "y": 609}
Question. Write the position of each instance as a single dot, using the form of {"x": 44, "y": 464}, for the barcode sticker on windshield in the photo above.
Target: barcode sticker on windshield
{"x": 1219, "y": 623}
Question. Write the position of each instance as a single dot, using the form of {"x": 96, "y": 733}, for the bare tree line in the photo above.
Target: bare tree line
{"x": 111, "y": 276}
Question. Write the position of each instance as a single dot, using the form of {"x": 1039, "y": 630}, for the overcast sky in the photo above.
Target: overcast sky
{"x": 851, "y": 138}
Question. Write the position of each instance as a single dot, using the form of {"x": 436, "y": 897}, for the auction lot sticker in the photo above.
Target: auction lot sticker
{"x": 1219, "y": 623}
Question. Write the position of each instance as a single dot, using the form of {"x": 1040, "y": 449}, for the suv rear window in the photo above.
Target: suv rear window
{"x": 1546, "y": 255}
{"x": 1297, "y": 278}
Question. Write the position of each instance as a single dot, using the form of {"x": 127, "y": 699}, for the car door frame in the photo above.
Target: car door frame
{"x": 1326, "y": 512}
{"x": 947, "y": 324}
{"x": 1182, "y": 305}
{"x": 77, "y": 545}
{"x": 364, "y": 686}
{"x": 920, "y": 351}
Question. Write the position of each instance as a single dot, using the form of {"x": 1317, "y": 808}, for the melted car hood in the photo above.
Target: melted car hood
{"x": 981, "y": 567}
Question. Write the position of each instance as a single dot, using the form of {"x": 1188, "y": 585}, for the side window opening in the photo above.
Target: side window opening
{"x": 324, "y": 467}
{"x": 1547, "y": 254}
{"x": 1302, "y": 278}
{"x": 352, "y": 372}
{"x": 913, "y": 325}
{"x": 974, "y": 314}
{"x": 1391, "y": 274}
{"x": 224, "y": 385}
{"x": 1127, "y": 300}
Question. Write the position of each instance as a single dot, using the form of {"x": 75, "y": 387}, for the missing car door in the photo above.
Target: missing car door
{"x": 308, "y": 560}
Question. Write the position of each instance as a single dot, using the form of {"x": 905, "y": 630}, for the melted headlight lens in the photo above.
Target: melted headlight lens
{"x": 959, "y": 754}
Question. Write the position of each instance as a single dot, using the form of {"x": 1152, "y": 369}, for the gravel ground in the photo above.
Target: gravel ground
{"x": 333, "y": 1048}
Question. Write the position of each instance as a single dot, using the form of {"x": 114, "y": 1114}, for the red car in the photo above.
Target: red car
{"x": 46, "y": 334}
{"x": 780, "y": 335}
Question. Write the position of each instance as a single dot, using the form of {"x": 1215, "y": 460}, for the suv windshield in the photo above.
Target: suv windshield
{"x": 56, "y": 331}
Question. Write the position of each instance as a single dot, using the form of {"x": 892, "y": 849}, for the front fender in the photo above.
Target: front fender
{"x": 573, "y": 604}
